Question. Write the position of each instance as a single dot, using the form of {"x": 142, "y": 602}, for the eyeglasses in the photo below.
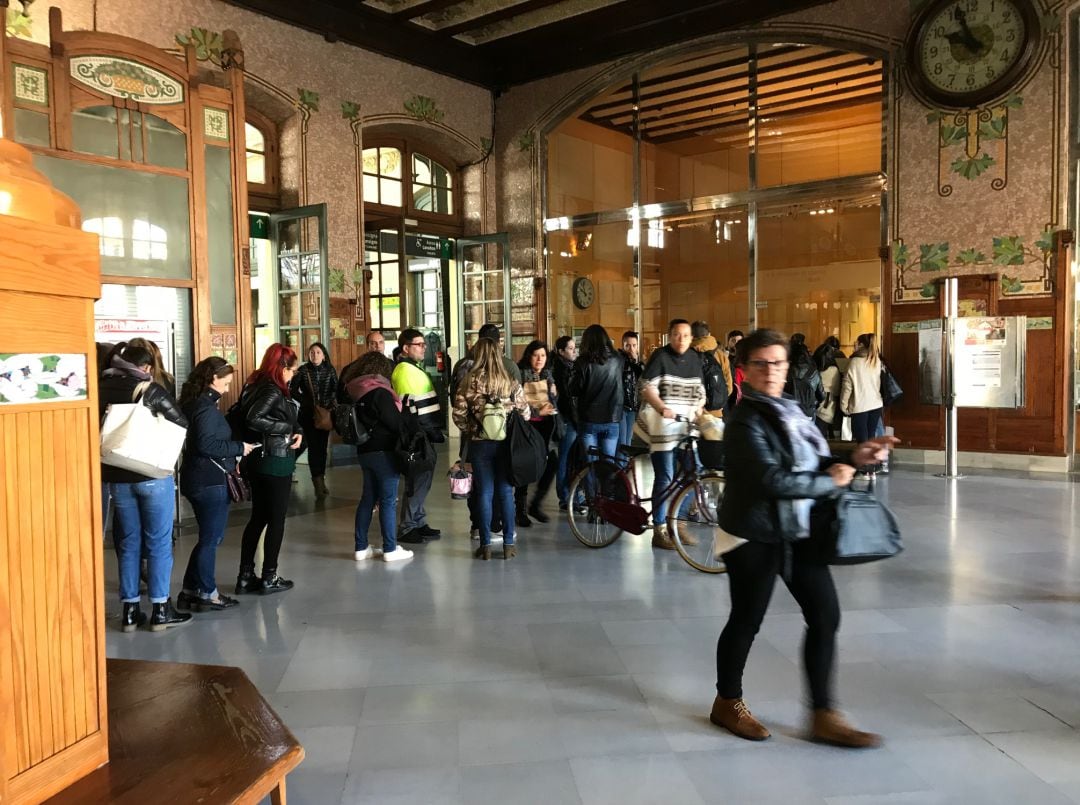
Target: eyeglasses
{"x": 418, "y": 344}
{"x": 765, "y": 366}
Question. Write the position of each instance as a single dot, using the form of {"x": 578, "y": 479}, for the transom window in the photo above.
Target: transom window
{"x": 148, "y": 241}
{"x": 256, "y": 154}
{"x": 431, "y": 186}
{"x": 382, "y": 176}
{"x": 428, "y": 188}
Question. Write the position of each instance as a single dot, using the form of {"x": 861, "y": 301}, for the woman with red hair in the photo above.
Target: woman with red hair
{"x": 269, "y": 418}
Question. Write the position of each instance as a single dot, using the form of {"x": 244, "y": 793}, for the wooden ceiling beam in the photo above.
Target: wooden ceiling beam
{"x": 423, "y": 9}
{"x": 505, "y": 13}
{"x": 358, "y": 25}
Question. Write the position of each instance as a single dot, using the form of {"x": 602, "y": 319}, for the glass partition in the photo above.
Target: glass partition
{"x": 219, "y": 231}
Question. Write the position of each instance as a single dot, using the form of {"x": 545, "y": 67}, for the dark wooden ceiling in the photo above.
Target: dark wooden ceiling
{"x": 500, "y": 44}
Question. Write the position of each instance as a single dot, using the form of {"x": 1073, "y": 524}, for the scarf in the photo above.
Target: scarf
{"x": 808, "y": 446}
{"x": 359, "y": 386}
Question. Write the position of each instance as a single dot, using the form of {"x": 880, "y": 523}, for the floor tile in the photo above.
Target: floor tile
{"x": 549, "y": 783}
{"x": 654, "y": 779}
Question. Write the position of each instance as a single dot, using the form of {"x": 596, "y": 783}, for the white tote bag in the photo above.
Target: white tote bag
{"x": 134, "y": 438}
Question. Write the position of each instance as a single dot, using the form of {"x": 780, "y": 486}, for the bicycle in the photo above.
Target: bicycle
{"x": 604, "y": 501}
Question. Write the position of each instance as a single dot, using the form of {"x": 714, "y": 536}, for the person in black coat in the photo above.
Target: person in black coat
{"x": 596, "y": 387}
{"x": 778, "y": 464}
{"x": 210, "y": 453}
{"x": 315, "y": 384}
{"x": 803, "y": 379}
{"x": 143, "y": 507}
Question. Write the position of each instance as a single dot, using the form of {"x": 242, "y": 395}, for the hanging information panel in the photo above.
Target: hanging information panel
{"x": 990, "y": 357}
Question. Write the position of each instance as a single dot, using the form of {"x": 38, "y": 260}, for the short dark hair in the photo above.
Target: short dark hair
{"x": 675, "y": 323}
{"x": 526, "y": 356}
{"x": 562, "y": 341}
{"x": 699, "y": 329}
{"x": 734, "y": 333}
{"x": 759, "y": 339}
{"x": 407, "y": 337}
{"x": 631, "y": 334}
{"x": 489, "y": 330}
{"x": 137, "y": 356}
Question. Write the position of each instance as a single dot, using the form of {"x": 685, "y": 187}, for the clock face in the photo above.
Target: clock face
{"x": 584, "y": 292}
{"x": 971, "y": 50}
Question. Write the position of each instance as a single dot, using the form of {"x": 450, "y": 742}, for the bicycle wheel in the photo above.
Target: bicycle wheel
{"x": 595, "y": 482}
{"x": 693, "y": 523}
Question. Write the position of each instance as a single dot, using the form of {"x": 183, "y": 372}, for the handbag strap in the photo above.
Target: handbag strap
{"x": 219, "y": 466}
{"x": 311, "y": 385}
{"x": 140, "y": 390}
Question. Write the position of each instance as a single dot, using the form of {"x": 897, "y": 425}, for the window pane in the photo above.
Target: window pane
{"x": 389, "y": 284}
{"x": 442, "y": 176}
{"x": 371, "y": 189}
{"x": 376, "y": 316}
{"x": 153, "y": 302}
{"x": 391, "y": 192}
{"x": 390, "y": 162}
{"x": 129, "y": 195}
{"x": 219, "y": 231}
{"x": 421, "y": 169}
{"x": 93, "y": 131}
{"x": 444, "y": 202}
{"x": 31, "y": 128}
{"x": 422, "y": 197}
{"x": 254, "y": 140}
{"x": 391, "y": 312}
{"x": 311, "y": 307}
{"x": 167, "y": 145}
{"x": 256, "y": 168}
{"x": 371, "y": 160}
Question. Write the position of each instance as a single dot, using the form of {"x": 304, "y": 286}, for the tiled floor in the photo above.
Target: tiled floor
{"x": 579, "y": 676}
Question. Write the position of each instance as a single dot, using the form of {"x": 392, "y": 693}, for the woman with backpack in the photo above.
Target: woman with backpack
{"x": 482, "y": 402}
{"x": 542, "y": 396}
{"x": 379, "y": 412}
{"x": 210, "y": 454}
{"x": 270, "y": 415}
{"x": 860, "y": 395}
{"x": 596, "y": 386}
{"x": 803, "y": 380}
{"x": 314, "y": 385}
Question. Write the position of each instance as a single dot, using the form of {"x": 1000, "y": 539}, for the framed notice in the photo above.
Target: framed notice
{"x": 990, "y": 358}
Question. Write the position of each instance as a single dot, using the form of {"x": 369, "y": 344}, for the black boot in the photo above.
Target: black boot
{"x": 247, "y": 581}
{"x": 132, "y": 618}
{"x": 536, "y": 513}
{"x": 164, "y": 617}
{"x": 273, "y": 583}
{"x": 520, "y": 517}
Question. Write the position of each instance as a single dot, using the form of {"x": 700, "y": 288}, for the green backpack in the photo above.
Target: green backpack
{"x": 493, "y": 420}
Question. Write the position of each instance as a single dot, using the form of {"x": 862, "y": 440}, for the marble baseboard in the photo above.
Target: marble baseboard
{"x": 1023, "y": 462}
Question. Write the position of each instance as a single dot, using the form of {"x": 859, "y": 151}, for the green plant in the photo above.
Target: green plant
{"x": 207, "y": 44}
{"x": 424, "y": 108}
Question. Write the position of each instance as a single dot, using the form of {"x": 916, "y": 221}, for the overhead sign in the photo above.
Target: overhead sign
{"x": 415, "y": 245}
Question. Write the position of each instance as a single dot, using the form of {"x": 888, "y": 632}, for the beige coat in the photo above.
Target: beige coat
{"x": 861, "y": 390}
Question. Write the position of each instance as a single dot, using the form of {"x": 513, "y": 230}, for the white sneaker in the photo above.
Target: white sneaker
{"x": 474, "y": 534}
{"x": 397, "y": 554}
{"x": 367, "y": 553}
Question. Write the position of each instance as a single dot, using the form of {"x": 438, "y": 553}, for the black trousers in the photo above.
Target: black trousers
{"x": 269, "y": 505}
{"x": 545, "y": 427}
{"x": 316, "y": 443}
{"x": 752, "y": 571}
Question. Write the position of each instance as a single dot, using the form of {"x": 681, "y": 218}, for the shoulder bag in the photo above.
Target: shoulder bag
{"x": 135, "y": 438}
{"x": 855, "y": 528}
{"x": 890, "y": 389}
{"x": 323, "y": 418}
{"x": 237, "y": 487}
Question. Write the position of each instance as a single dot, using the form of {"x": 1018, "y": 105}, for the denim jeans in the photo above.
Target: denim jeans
{"x": 864, "y": 425}
{"x": 490, "y": 482}
{"x": 626, "y": 427}
{"x": 143, "y": 517}
{"x": 211, "y": 505}
{"x": 565, "y": 448}
{"x": 664, "y": 464}
{"x": 380, "y": 486}
{"x": 605, "y": 436}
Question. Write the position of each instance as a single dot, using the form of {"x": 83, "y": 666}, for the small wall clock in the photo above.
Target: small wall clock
{"x": 584, "y": 292}
{"x": 963, "y": 54}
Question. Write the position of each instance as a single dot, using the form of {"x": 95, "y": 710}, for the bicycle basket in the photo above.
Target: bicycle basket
{"x": 711, "y": 454}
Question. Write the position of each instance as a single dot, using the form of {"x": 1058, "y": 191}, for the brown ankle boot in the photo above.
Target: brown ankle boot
{"x": 319, "y": 482}
{"x": 830, "y": 726}
{"x": 661, "y": 539}
{"x": 734, "y": 716}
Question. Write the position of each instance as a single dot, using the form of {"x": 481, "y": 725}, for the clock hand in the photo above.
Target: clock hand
{"x": 969, "y": 39}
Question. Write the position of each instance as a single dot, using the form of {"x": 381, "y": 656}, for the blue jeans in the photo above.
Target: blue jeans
{"x": 565, "y": 447}
{"x": 664, "y": 464}
{"x": 211, "y": 505}
{"x": 143, "y": 518}
{"x": 605, "y": 436}
{"x": 490, "y": 482}
{"x": 381, "y": 486}
{"x": 626, "y": 427}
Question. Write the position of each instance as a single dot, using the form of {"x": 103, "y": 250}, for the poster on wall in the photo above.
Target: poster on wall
{"x": 990, "y": 360}
{"x": 115, "y": 330}
{"x": 41, "y": 377}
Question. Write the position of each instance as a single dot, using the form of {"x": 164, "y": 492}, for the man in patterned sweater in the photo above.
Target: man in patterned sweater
{"x": 671, "y": 386}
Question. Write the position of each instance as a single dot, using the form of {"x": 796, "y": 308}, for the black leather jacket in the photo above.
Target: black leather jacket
{"x": 804, "y": 383}
{"x": 271, "y": 416}
{"x": 597, "y": 389}
{"x": 560, "y": 372}
{"x": 117, "y": 388}
{"x": 761, "y": 484}
{"x": 632, "y": 372}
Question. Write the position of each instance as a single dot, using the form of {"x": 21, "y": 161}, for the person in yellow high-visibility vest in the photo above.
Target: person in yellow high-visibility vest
{"x": 412, "y": 383}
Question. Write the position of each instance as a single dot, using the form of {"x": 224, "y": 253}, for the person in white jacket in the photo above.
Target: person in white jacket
{"x": 860, "y": 395}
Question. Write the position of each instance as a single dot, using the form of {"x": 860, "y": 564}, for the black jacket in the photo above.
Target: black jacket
{"x": 209, "y": 439}
{"x": 804, "y": 383}
{"x": 323, "y": 380}
{"x": 383, "y": 420}
{"x": 761, "y": 484}
{"x": 560, "y": 373}
{"x": 597, "y": 389}
{"x": 271, "y": 416}
{"x": 118, "y": 389}
{"x": 631, "y": 376}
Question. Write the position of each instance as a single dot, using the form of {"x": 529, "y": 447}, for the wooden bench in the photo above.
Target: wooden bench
{"x": 182, "y": 733}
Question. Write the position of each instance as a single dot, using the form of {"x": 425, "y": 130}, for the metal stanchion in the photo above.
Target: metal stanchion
{"x": 951, "y": 287}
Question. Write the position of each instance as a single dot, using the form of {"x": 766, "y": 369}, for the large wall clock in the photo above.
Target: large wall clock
{"x": 584, "y": 293}
{"x": 964, "y": 54}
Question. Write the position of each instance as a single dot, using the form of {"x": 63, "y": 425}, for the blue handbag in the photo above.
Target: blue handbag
{"x": 855, "y": 528}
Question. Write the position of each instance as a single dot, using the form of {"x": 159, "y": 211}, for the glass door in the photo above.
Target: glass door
{"x": 298, "y": 241}
{"x": 483, "y": 289}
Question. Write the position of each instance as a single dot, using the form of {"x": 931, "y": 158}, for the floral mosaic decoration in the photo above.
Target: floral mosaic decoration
{"x": 36, "y": 377}
{"x": 308, "y": 99}
{"x": 974, "y": 143}
{"x": 424, "y": 108}
{"x": 208, "y": 44}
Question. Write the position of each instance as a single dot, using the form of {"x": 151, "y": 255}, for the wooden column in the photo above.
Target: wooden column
{"x": 53, "y": 727}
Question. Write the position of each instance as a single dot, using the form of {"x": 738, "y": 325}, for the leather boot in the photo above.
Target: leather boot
{"x": 164, "y": 617}
{"x": 661, "y": 539}
{"x": 319, "y": 482}
{"x": 247, "y": 581}
{"x": 520, "y": 517}
{"x": 273, "y": 583}
{"x": 830, "y": 726}
{"x": 734, "y": 716}
{"x": 132, "y": 617}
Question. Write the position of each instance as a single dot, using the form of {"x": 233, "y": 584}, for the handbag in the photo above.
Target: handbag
{"x": 524, "y": 451}
{"x": 236, "y": 486}
{"x": 135, "y": 438}
{"x": 460, "y": 482}
{"x": 323, "y": 418}
{"x": 890, "y": 389}
{"x": 855, "y": 528}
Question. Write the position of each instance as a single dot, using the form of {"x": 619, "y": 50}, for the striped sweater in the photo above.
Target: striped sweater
{"x": 679, "y": 381}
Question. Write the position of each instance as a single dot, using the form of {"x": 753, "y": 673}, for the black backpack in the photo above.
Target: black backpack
{"x": 413, "y": 454}
{"x": 348, "y": 424}
{"x": 716, "y": 390}
{"x": 236, "y": 416}
{"x": 524, "y": 451}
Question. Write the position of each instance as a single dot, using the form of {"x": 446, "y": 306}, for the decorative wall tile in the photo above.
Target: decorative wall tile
{"x": 216, "y": 123}
{"x": 31, "y": 84}
{"x": 123, "y": 78}
{"x": 41, "y": 377}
